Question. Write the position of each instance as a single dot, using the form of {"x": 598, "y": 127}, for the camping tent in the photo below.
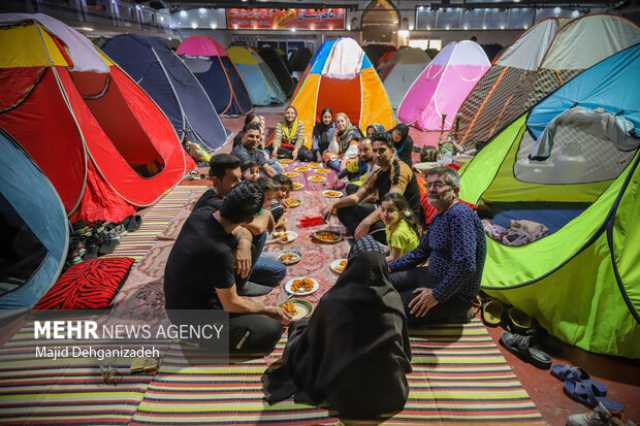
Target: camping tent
{"x": 299, "y": 59}
{"x": 541, "y": 60}
{"x": 169, "y": 82}
{"x": 275, "y": 61}
{"x": 208, "y": 61}
{"x": 103, "y": 143}
{"x": 342, "y": 78}
{"x": 402, "y": 71}
{"x": 581, "y": 282}
{"x": 34, "y": 229}
{"x": 262, "y": 85}
{"x": 375, "y": 52}
{"x": 432, "y": 101}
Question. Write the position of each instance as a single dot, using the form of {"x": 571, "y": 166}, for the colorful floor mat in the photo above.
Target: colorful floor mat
{"x": 155, "y": 221}
{"x": 458, "y": 376}
{"x": 37, "y": 390}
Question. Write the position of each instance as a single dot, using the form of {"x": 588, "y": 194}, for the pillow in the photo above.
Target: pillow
{"x": 91, "y": 284}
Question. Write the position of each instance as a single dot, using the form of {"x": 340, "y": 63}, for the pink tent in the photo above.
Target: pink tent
{"x": 443, "y": 85}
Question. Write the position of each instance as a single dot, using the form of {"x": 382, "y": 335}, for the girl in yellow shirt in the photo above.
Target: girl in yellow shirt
{"x": 401, "y": 225}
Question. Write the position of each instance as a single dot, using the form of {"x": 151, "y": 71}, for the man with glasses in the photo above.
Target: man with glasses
{"x": 454, "y": 249}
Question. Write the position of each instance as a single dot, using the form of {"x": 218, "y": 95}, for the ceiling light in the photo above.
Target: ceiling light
{"x": 202, "y": 10}
{"x": 502, "y": 26}
{"x": 293, "y": 30}
{"x": 213, "y": 25}
{"x": 575, "y": 14}
{"x": 557, "y": 10}
{"x": 194, "y": 25}
{"x": 403, "y": 33}
{"x": 421, "y": 8}
{"x": 183, "y": 13}
{"x": 484, "y": 27}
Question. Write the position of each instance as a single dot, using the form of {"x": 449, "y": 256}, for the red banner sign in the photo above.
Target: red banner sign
{"x": 301, "y": 19}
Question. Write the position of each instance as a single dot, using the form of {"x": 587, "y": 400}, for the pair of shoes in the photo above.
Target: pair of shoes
{"x": 579, "y": 386}
{"x": 251, "y": 289}
{"x": 522, "y": 347}
{"x": 600, "y": 416}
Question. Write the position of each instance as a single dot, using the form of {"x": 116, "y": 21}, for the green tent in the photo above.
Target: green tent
{"x": 581, "y": 282}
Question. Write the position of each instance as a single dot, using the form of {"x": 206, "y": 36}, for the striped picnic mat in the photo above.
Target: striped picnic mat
{"x": 458, "y": 376}
{"x": 36, "y": 390}
{"x": 154, "y": 221}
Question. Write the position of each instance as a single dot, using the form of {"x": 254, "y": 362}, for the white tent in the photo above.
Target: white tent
{"x": 405, "y": 67}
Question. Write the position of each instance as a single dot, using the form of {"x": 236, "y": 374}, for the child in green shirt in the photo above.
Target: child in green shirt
{"x": 401, "y": 225}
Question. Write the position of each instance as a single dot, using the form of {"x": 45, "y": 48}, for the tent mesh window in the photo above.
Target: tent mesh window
{"x": 21, "y": 253}
{"x": 547, "y": 81}
{"x": 576, "y": 157}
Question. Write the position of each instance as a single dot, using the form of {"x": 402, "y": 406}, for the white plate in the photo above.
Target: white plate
{"x": 334, "y": 266}
{"x": 329, "y": 193}
{"x": 287, "y": 287}
{"x": 291, "y": 236}
{"x": 303, "y": 309}
{"x": 297, "y": 258}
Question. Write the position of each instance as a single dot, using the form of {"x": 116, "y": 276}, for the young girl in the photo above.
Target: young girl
{"x": 323, "y": 133}
{"x": 401, "y": 225}
{"x": 250, "y": 171}
{"x": 289, "y": 139}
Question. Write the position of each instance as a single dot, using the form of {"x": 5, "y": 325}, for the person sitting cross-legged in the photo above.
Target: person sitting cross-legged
{"x": 455, "y": 248}
{"x": 201, "y": 274}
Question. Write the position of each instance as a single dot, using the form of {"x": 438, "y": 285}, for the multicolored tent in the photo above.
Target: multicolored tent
{"x": 103, "y": 143}
{"x": 276, "y": 62}
{"x": 262, "y": 85}
{"x": 573, "y": 164}
{"x": 150, "y": 62}
{"x": 208, "y": 61}
{"x": 402, "y": 71}
{"x": 34, "y": 229}
{"x": 342, "y": 78}
{"x": 541, "y": 60}
{"x": 433, "y": 100}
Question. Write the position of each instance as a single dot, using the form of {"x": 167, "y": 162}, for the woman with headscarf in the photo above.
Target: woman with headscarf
{"x": 353, "y": 354}
{"x": 403, "y": 143}
{"x": 344, "y": 142}
{"x": 289, "y": 140}
{"x": 323, "y": 133}
{"x": 374, "y": 129}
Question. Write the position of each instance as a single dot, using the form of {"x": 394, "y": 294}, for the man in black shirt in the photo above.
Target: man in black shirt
{"x": 201, "y": 273}
{"x": 264, "y": 274}
{"x": 247, "y": 149}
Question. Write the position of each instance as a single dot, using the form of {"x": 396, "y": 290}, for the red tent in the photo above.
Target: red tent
{"x": 104, "y": 144}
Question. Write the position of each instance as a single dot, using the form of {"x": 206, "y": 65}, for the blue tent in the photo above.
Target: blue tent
{"x": 611, "y": 84}
{"x": 33, "y": 226}
{"x": 172, "y": 86}
{"x": 262, "y": 85}
{"x": 208, "y": 60}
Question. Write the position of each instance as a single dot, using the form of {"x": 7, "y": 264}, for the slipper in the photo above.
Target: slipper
{"x": 583, "y": 393}
{"x": 492, "y": 311}
{"x": 569, "y": 372}
{"x": 519, "y": 321}
{"x": 521, "y": 347}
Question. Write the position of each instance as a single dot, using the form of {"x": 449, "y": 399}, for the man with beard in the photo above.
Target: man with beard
{"x": 454, "y": 246}
{"x": 389, "y": 175}
{"x": 356, "y": 171}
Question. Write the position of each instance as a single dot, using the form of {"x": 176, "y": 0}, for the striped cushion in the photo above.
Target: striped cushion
{"x": 88, "y": 285}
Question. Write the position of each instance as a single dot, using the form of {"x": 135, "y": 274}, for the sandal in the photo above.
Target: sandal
{"x": 492, "y": 311}
{"x": 521, "y": 347}
{"x": 583, "y": 393}
{"x": 519, "y": 322}
{"x": 577, "y": 374}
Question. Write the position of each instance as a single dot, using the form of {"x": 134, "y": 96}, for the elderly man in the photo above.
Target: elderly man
{"x": 444, "y": 289}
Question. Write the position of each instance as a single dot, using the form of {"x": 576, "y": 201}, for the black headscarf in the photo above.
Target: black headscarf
{"x": 404, "y": 148}
{"x": 354, "y": 351}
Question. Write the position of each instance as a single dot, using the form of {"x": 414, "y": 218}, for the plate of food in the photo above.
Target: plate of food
{"x": 285, "y": 161}
{"x": 298, "y": 309}
{"x": 302, "y": 169}
{"x": 292, "y": 202}
{"x": 321, "y": 171}
{"x": 290, "y": 257}
{"x": 315, "y": 165}
{"x": 338, "y": 265}
{"x": 301, "y": 286}
{"x": 284, "y": 237}
{"x": 292, "y": 174}
{"x": 297, "y": 186}
{"x": 317, "y": 179}
{"x": 332, "y": 194}
{"x": 326, "y": 236}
